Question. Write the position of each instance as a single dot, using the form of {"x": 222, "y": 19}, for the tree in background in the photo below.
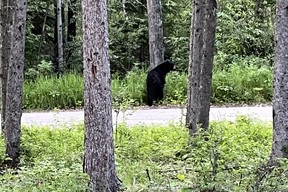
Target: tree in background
{"x": 280, "y": 99}
{"x": 202, "y": 40}
{"x": 58, "y": 38}
{"x": 71, "y": 31}
{"x": 14, "y": 83}
{"x": 156, "y": 42}
{"x": 99, "y": 161}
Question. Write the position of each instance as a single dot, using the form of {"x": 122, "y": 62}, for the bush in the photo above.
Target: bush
{"x": 242, "y": 83}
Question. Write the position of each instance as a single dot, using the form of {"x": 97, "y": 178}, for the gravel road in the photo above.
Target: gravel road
{"x": 146, "y": 116}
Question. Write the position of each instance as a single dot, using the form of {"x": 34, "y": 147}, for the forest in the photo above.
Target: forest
{"x": 244, "y": 40}
{"x": 95, "y": 58}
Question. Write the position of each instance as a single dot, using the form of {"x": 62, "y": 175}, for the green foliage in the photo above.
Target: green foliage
{"x": 244, "y": 28}
{"x": 43, "y": 69}
{"x": 131, "y": 89}
{"x": 176, "y": 88}
{"x": 52, "y": 92}
{"x": 228, "y": 157}
{"x": 243, "y": 82}
{"x": 39, "y": 44}
{"x": 51, "y": 160}
{"x": 224, "y": 157}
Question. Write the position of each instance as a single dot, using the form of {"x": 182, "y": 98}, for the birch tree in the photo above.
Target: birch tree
{"x": 99, "y": 161}
{"x": 280, "y": 97}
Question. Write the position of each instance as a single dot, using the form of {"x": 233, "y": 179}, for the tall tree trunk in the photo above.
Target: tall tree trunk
{"x": 195, "y": 60}
{"x": 99, "y": 161}
{"x": 280, "y": 100}
{"x": 7, "y": 12}
{"x": 55, "y": 40}
{"x": 202, "y": 40}
{"x": 71, "y": 31}
{"x": 156, "y": 42}
{"x": 60, "y": 36}
{"x": 1, "y": 73}
{"x": 207, "y": 62}
{"x": 15, "y": 78}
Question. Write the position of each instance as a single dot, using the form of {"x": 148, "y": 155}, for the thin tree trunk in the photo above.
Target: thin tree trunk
{"x": 156, "y": 42}
{"x": 55, "y": 40}
{"x": 1, "y": 73}
{"x": 195, "y": 60}
{"x": 42, "y": 38}
{"x": 60, "y": 37}
{"x": 71, "y": 31}
{"x": 7, "y": 13}
{"x": 207, "y": 62}
{"x": 15, "y": 84}
{"x": 280, "y": 100}
{"x": 99, "y": 161}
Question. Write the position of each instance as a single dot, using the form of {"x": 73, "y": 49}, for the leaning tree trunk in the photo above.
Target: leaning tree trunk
{"x": 195, "y": 60}
{"x": 15, "y": 78}
{"x": 7, "y": 12}
{"x": 156, "y": 42}
{"x": 99, "y": 161}
{"x": 207, "y": 62}
{"x": 280, "y": 99}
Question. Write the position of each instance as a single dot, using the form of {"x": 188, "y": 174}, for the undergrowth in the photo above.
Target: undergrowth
{"x": 236, "y": 84}
{"x": 228, "y": 157}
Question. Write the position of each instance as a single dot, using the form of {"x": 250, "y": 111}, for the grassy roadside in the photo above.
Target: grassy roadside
{"x": 235, "y": 85}
{"x": 228, "y": 157}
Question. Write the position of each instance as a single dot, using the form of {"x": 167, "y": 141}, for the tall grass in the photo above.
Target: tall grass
{"x": 236, "y": 84}
{"x": 52, "y": 92}
{"x": 242, "y": 84}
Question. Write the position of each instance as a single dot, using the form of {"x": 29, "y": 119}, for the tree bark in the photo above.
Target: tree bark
{"x": 58, "y": 59}
{"x": 7, "y": 11}
{"x": 207, "y": 62}
{"x": 202, "y": 43}
{"x": 156, "y": 42}
{"x": 1, "y": 73}
{"x": 99, "y": 161}
{"x": 280, "y": 100}
{"x": 60, "y": 37}
{"x": 195, "y": 60}
{"x": 15, "y": 79}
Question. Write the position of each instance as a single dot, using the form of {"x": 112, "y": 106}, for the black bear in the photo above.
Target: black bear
{"x": 156, "y": 80}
